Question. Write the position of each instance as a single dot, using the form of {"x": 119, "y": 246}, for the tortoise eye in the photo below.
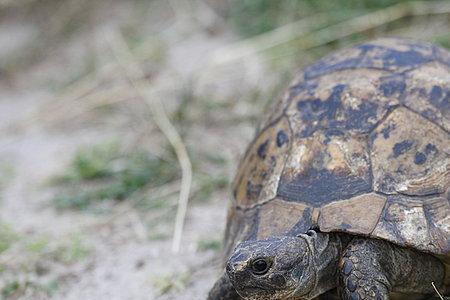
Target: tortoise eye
{"x": 312, "y": 233}
{"x": 260, "y": 266}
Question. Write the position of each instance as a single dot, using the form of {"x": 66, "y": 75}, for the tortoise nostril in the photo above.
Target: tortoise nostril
{"x": 232, "y": 267}
{"x": 229, "y": 268}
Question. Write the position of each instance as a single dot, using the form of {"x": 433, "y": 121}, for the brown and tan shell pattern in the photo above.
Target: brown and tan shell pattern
{"x": 359, "y": 143}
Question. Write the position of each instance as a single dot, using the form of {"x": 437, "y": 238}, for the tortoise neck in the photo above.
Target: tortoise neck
{"x": 327, "y": 249}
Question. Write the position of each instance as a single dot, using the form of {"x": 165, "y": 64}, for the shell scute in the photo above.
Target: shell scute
{"x": 410, "y": 155}
{"x": 281, "y": 218}
{"x": 384, "y": 54}
{"x": 349, "y": 102}
{"x": 242, "y": 225}
{"x": 257, "y": 179}
{"x": 321, "y": 169}
{"x": 414, "y": 222}
{"x": 392, "y": 85}
{"x": 428, "y": 93}
{"x": 358, "y": 215}
{"x": 437, "y": 212}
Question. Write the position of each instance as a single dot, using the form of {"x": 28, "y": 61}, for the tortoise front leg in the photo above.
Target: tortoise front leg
{"x": 223, "y": 290}
{"x": 371, "y": 269}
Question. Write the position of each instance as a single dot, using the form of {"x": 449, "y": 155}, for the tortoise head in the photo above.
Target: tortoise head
{"x": 275, "y": 268}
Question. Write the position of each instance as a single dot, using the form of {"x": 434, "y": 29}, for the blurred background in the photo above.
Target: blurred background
{"x": 108, "y": 109}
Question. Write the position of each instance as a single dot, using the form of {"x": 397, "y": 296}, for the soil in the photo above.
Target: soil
{"x": 46, "y": 115}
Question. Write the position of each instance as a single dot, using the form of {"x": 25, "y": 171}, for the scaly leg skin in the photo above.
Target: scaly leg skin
{"x": 223, "y": 290}
{"x": 330, "y": 295}
{"x": 370, "y": 269}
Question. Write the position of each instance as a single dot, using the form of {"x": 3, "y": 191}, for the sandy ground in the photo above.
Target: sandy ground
{"x": 42, "y": 127}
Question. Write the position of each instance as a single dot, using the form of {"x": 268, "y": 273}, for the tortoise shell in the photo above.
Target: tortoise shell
{"x": 359, "y": 143}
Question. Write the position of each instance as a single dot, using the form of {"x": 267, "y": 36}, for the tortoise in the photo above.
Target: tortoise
{"x": 345, "y": 191}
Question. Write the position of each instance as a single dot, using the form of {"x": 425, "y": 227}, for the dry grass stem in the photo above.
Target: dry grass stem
{"x": 375, "y": 19}
{"x": 439, "y": 294}
{"x": 268, "y": 40}
{"x": 292, "y": 33}
{"x": 133, "y": 72}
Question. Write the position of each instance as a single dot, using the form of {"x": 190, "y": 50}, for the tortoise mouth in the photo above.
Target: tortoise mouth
{"x": 254, "y": 290}
{"x": 265, "y": 287}
{"x": 273, "y": 293}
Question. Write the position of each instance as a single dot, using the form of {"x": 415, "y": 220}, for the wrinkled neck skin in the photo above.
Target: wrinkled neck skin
{"x": 321, "y": 274}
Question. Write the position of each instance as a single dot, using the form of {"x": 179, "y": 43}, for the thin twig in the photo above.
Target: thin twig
{"x": 373, "y": 20}
{"x": 134, "y": 72}
{"x": 308, "y": 39}
{"x": 439, "y": 294}
{"x": 268, "y": 40}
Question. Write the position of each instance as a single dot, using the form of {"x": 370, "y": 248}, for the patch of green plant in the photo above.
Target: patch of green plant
{"x": 165, "y": 283}
{"x": 6, "y": 173}
{"x": 121, "y": 175}
{"x": 208, "y": 244}
{"x": 14, "y": 289}
{"x": 180, "y": 116}
{"x": 38, "y": 246}
{"x": 252, "y": 17}
{"x": 51, "y": 287}
{"x": 444, "y": 41}
{"x": 10, "y": 288}
{"x": 7, "y": 237}
{"x": 91, "y": 163}
{"x": 209, "y": 184}
{"x": 72, "y": 251}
